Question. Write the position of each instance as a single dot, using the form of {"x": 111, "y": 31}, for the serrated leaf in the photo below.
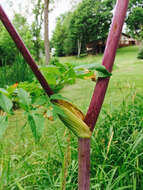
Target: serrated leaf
{"x": 103, "y": 71}
{"x": 94, "y": 66}
{"x": 36, "y": 123}
{"x": 3, "y": 125}
{"x": 5, "y": 103}
{"x": 24, "y": 97}
{"x": 42, "y": 100}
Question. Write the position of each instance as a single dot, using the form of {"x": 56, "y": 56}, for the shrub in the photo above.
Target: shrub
{"x": 19, "y": 71}
{"x": 8, "y": 48}
{"x": 54, "y": 61}
{"x": 140, "y": 54}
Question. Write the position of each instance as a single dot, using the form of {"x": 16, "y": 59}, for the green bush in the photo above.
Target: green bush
{"x": 54, "y": 61}
{"x": 140, "y": 54}
{"x": 8, "y": 49}
{"x": 19, "y": 71}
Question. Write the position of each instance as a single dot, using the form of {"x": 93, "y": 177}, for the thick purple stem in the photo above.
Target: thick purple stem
{"x": 99, "y": 93}
{"x": 24, "y": 51}
{"x": 108, "y": 60}
{"x": 84, "y": 164}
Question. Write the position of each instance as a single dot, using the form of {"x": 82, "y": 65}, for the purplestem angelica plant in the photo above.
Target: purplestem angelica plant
{"x": 99, "y": 92}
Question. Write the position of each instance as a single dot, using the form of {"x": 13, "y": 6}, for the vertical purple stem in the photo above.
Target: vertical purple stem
{"x": 84, "y": 164}
{"x": 99, "y": 93}
{"x": 24, "y": 51}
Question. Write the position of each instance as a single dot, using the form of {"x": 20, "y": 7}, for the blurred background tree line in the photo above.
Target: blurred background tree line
{"x": 88, "y": 21}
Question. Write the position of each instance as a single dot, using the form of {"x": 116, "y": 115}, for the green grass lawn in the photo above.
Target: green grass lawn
{"x": 43, "y": 166}
{"x": 127, "y": 77}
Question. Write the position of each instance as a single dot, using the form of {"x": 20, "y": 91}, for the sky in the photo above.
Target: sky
{"x": 60, "y": 7}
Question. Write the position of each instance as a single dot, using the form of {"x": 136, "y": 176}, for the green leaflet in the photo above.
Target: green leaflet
{"x": 102, "y": 71}
{"x": 36, "y": 123}
{"x": 3, "y": 125}
{"x": 5, "y": 103}
{"x": 24, "y": 97}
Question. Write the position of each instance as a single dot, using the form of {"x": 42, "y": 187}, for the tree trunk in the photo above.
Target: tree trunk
{"x": 46, "y": 31}
{"x": 79, "y": 47}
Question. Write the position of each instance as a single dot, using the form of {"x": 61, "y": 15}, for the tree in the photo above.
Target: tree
{"x": 135, "y": 3}
{"x": 59, "y": 38}
{"x": 89, "y": 22}
{"x": 8, "y": 49}
{"x": 43, "y": 6}
{"x": 135, "y": 23}
{"x": 46, "y": 31}
{"x": 60, "y": 34}
{"x": 134, "y": 20}
{"x": 36, "y": 28}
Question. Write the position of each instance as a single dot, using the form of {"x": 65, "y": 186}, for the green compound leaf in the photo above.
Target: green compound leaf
{"x": 36, "y": 123}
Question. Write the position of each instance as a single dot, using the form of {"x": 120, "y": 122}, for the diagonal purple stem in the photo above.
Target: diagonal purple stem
{"x": 24, "y": 51}
{"x": 99, "y": 93}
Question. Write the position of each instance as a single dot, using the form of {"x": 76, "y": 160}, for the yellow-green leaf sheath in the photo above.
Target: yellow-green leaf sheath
{"x": 73, "y": 121}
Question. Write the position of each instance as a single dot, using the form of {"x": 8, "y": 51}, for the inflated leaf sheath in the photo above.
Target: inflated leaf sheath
{"x": 73, "y": 119}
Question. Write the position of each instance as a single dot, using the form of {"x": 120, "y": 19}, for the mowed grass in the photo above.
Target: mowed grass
{"x": 116, "y": 153}
{"x": 127, "y": 77}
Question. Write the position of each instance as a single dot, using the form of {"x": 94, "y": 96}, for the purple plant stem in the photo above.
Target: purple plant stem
{"x": 99, "y": 93}
{"x": 24, "y": 51}
{"x": 84, "y": 164}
